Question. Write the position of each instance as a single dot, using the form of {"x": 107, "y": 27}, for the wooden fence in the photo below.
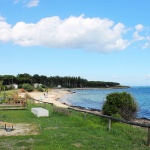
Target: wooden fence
{"x": 110, "y": 118}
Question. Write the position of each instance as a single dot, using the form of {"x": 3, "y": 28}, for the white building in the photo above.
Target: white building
{"x": 15, "y": 86}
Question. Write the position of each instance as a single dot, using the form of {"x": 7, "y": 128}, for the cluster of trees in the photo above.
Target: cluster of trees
{"x": 53, "y": 81}
{"x": 101, "y": 84}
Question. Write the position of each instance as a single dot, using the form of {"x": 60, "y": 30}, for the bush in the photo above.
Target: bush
{"x": 39, "y": 88}
{"x": 43, "y": 86}
{"x": 10, "y": 87}
{"x": 120, "y": 104}
{"x": 28, "y": 87}
{"x": 20, "y": 86}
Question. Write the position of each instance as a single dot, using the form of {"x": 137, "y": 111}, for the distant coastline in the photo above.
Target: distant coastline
{"x": 89, "y": 88}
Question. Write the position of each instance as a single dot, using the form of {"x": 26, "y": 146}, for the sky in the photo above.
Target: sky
{"x": 98, "y": 40}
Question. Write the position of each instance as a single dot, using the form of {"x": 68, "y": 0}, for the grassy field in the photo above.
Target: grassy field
{"x": 73, "y": 132}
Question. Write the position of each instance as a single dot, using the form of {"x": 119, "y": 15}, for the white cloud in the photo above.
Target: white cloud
{"x": 139, "y": 27}
{"x": 137, "y": 37}
{"x": 2, "y": 18}
{"x": 146, "y": 45}
{"x": 74, "y": 32}
{"x": 32, "y": 3}
{"x": 5, "y": 29}
{"x": 28, "y": 3}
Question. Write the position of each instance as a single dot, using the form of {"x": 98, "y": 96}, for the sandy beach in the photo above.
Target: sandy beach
{"x": 52, "y": 96}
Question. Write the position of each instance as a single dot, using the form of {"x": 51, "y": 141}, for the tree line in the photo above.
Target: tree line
{"x": 54, "y": 81}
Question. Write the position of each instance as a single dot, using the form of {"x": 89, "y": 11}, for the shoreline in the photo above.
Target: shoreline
{"x": 54, "y": 95}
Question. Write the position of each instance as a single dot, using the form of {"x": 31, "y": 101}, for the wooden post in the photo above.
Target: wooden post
{"x": 84, "y": 115}
{"x": 109, "y": 124}
{"x": 69, "y": 111}
{"x": 44, "y": 105}
{"x": 148, "y": 139}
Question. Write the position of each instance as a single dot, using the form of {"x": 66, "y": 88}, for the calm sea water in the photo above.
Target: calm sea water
{"x": 95, "y": 98}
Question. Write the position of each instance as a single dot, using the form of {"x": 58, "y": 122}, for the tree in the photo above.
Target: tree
{"x": 36, "y": 78}
{"x": 1, "y": 83}
{"x": 24, "y": 78}
{"x": 27, "y": 87}
{"x": 120, "y": 104}
{"x": 54, "y": 81}
{"x": 8, "y": 79}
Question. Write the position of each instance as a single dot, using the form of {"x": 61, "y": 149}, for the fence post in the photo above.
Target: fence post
{"x": 44, "y": 105}
{"x": 84, "y": 115}
{"x": 109, "y": 124}
{"x": 148, "y": 139}
{"x": 69, "y": 110}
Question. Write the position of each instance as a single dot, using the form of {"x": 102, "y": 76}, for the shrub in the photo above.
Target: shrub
{"x": 43, "y": 86}
{"x": 120, "y": 104}
{"x": 39, "y": 88}
{"x": 20, "y": 86}
{"x": 27, "y": 87}
{"x": 5, "y": 88}
{"x": 10, "y": 87}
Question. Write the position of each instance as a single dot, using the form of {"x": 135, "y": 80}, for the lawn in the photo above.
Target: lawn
{"x": 71, "y": 132}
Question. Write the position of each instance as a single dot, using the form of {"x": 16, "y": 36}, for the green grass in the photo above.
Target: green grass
{"x": 73, "y": 132}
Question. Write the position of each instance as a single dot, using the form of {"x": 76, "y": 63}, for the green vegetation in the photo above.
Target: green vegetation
{"x": 1, "y": 83}
{"x": 54, "y": 81}
{"x": 120, "y": 105}
{"x": 62, "y": 132}
{"x": 28, "y": 87}
{"x": 40, "y": 89}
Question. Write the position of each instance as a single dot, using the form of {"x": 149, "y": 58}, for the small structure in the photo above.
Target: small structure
{"x": 59, "y": 86}
{"x": 15, "y": 86}
{"x": 7, "y": 124}
{"x": 40, "y": 84}
{"x": 16, "y": 99}
{"x": 12, "y": 86}
{"x": 36, "y": 85}
{"x": 40, "y": 112}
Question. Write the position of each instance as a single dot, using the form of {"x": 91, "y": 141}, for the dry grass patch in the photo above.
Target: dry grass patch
{"x": 77, "y": 145}
{"x": 21, "y": 129}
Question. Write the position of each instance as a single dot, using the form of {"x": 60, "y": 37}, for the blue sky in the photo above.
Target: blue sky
{"x": 100, "y": 40}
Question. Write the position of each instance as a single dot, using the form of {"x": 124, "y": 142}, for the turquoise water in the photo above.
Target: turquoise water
{"x": 94, "y": 99}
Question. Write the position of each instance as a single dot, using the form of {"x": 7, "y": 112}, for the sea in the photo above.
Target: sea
{"x": 95, "y": 98}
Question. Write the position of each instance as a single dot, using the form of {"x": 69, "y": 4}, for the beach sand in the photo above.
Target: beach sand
{"x": 52, "y": 96}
